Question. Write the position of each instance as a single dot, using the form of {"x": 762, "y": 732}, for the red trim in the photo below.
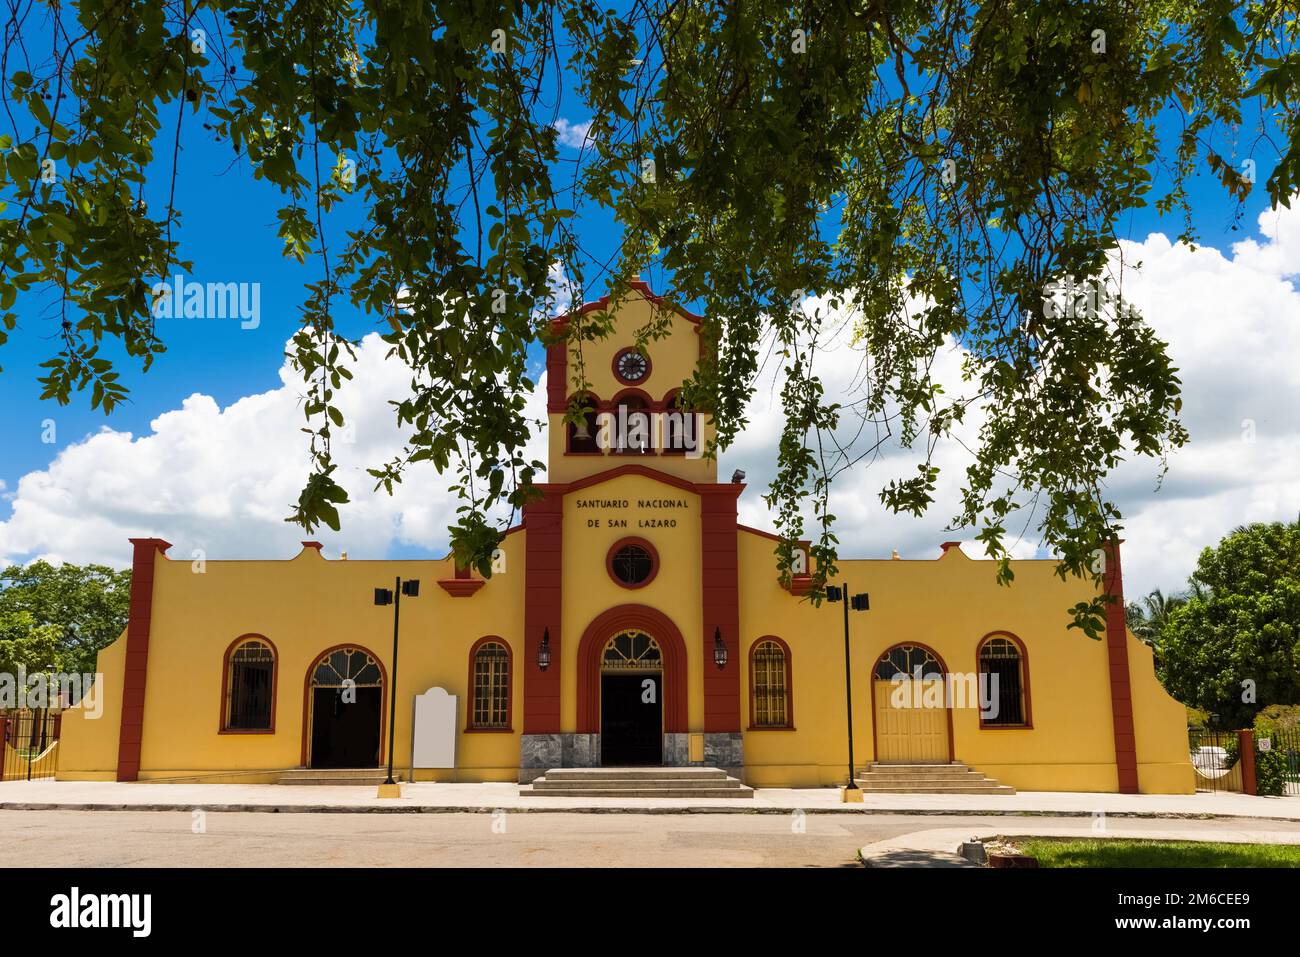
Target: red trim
{"x": 947, "y": 545}
{"x": 875, "y": 745}
{"x": 461, "y": 587}
{"x": 139, "y": 618}
{"x": 632, "y": 540}
{"x": 316, "y": 545}
{"x": 627, "y": 618}
{"x": 635, "y": 468}
{"x": 543, "y": 608}
{"x": 1246, "y": 749}
{"x": 225, "y": 678}
{"x": 510, "y": 687}
{"x": 789, "y": 686}
{"x": 719, "y": 567}
{"x": 649, "y": 366}
{"x": 1121, "y": 694}
{"x": 306, "y": 696}
{"x": 1026, "y": 698}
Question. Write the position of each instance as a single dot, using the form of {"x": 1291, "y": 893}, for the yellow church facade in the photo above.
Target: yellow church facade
{"x": 630, "y": 620}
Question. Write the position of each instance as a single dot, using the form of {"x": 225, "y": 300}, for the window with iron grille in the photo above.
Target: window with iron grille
{"x": 491, "y": 707}
{"x": 633, "y": 563}
{"x": 1000, "y": 658}
{"x": 250, "y": 678}
{"x": 770, "y": 686}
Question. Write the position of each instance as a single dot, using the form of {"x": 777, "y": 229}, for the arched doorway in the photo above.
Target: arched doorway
{"x": 343, "y": 720}
{"x": 911, "y": 717}
{"x": 671, "y": 688}
{"x": 631, "y": 701}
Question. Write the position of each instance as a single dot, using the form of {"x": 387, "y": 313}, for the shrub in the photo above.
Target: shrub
{"x": 1270, "y": 773}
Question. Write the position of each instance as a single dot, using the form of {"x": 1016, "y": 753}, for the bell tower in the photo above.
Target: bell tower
{"x": 632, "y": 397}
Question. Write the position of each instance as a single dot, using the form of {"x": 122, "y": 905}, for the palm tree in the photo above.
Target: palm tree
{"x": 1147, "y": 620}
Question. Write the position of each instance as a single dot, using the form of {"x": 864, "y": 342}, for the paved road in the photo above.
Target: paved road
{"x": 163, "y": 838}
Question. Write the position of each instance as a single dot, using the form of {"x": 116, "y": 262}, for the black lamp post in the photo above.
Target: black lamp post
{"x": 393, "y": 596}
{"x": 719, "y": 649}
{"x": 858, "y": 602}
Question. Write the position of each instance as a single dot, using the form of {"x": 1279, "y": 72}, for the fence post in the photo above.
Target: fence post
{"x": 1246, "y": 748}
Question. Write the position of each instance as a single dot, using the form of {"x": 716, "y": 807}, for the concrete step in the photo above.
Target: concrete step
{"x": 637, "y": 782}
{"x": 587, "y": 775}
{"x": 650, "y": 792}
{"x": 995, "y": 788}
{"x": 904, "y": 776}
{"x": 952, "y": 778}
{"x": 633, "y": 784}
{"x": 337, "y": 777}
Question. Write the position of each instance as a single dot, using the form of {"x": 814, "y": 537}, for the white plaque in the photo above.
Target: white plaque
{"x": 433, "y": 741}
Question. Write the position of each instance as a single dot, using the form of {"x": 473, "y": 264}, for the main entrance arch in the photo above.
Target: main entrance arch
{"x": 598, "y": 662}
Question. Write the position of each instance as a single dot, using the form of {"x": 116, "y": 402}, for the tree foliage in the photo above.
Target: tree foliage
{"x": 1234, "y": 647}
{"x": 61, "y": 616}
{"x": 930, "y": 169}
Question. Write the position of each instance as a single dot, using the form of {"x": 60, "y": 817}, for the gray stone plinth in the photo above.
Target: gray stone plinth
{"x": 724, "y": 749}
{"x": 677, "y": 750}
{"x": 579, "y": 750}
{"x": 540, "y": 750}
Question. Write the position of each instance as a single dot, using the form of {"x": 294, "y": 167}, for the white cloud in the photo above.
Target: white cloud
{"x": 222, "y": 479}
{"x": 575, "y": 135}
{"x": 1233, "y": 328}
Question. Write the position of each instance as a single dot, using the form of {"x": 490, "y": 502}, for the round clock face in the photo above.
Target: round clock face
{"x": 631, "y": 366}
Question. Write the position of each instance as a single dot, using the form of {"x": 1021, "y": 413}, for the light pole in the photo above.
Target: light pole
{"x": 858, "y": 602}
{"x": 385, "y": 596}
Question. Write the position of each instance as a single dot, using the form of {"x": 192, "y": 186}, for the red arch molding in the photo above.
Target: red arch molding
{"x": 604, "y": 627}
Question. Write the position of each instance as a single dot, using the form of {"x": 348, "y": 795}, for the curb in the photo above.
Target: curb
{"x": 619, "y": 809}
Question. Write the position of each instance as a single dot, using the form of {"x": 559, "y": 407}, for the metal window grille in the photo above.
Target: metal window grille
{"x": 632, "y": 651}
{"x": 632, "y": 564}
{"x": 770, "y": 692}
{"x": 491, "y": 686}
{"x": 249, "y": 686}
{"x": 1001, "y": 657}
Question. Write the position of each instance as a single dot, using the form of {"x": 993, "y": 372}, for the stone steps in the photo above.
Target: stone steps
{"x": 637, "y": 782}
{"x": 954, "y": 778}
{"x": 338, "y": 777}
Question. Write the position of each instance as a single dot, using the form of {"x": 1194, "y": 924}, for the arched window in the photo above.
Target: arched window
{"x": 582, "y": 435}
{"x": 905, "y": 660}
{"x": 1004, "y": 683}
{"x": 769, "y": 681}
{"x": 489, "y": 666}
{"x": 681, "y": 431}
{"x": 632, "y": 427}
{"x": 248, "y": 686}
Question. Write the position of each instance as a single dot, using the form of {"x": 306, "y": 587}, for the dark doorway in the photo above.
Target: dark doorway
{"x": 631, "y": 719}
{"x": 343, "y": 734}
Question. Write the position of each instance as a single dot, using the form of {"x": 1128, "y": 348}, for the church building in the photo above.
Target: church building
{"x": 631, "y": 620}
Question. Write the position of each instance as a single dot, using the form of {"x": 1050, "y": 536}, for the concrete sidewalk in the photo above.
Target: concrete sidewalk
{"x": 433, "y": 798}
{"x": 941, "y": 847}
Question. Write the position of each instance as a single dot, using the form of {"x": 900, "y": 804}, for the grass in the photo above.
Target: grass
{"x": 1130, "y": 853}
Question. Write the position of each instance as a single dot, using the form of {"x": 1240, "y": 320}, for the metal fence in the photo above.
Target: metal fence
{"x": 1216, "y": 760}
{"x": 31, "y": 744}
{"x": 1287, "y": 745}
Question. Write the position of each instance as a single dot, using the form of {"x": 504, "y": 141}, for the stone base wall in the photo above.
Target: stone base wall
{"x": 540, "y": 752}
